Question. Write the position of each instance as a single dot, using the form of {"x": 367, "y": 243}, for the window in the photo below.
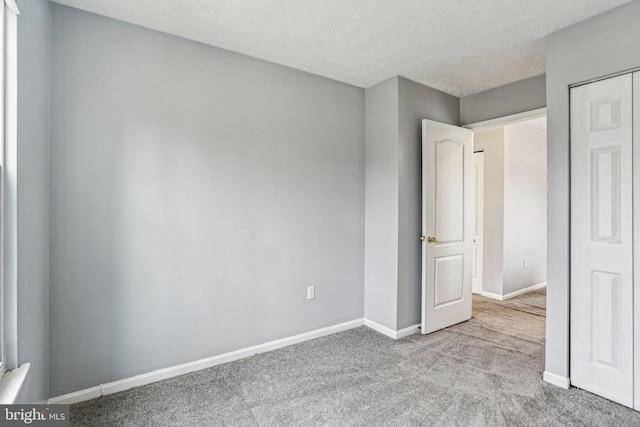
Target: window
{"x": 10, "y": 382}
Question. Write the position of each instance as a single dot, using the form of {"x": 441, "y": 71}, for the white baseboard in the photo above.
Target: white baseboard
{"x": 525, "y": 290}
{"x": 513, "y": 294}
{"x": 491, "y": 295}
{"x": 390, "y": 332}
{"x": 409, "y": 330}
{"x": 80, "y": 395}
{"x": 174, "y": 371}
{"x": 379, "y": 328}
{"x": 556, "y": 380}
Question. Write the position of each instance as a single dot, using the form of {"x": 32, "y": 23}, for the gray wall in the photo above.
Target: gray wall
{"x": 599, "y": 46}
{"x": 517, "y": 97}
{"x": 491, "y": 141}
{"x": 525, "y": 207}
{"x": 416, "y": 102}
{"x": 195, "y": 194}
{"x": 381, "y": 217}
{"x": 34, "y": 29}
{"x": 395, "y": 109}
{"x": 515, "y": 190}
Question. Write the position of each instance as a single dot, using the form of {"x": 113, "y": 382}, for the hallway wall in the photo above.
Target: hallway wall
{"x": 525, "y": 207}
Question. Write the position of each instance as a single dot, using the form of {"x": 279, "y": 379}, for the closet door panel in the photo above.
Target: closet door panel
{"x": 602, "y": 238}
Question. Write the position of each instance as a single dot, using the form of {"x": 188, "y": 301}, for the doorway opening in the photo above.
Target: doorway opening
{"x": 510, "y": 209}
{"x": 510, "y": 227}
{"x": 507, "y": 317}
{"x": 484, "y": 219}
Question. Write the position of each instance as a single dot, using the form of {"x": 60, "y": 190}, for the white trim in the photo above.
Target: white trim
{"x": 3, "y": 106}
{"x": 405, "y": 332}
{"x": 507, "y": 120}
{"x": 13, "y": 6}
{"x": 409, "y": 330}
{"x": 11, "y": 384}
{"x": 513, "y": 294}
{"x": 379, "y": 328}
{"x": 605, "y": 77}
{"x": 556, "y": 380}
{"x": 78, "y": 396}
{"x": 174, "y": 371}
{"x": 9, "y": 197}
{"x": 525, "y": 290}
{"x": 491, "y": 295}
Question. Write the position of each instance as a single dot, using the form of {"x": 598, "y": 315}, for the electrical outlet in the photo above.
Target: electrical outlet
{"x": 311, "y": 292}
{"x": 526, "y": 263}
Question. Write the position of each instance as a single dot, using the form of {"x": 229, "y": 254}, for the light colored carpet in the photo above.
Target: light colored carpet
{"x": 484, "y": 372}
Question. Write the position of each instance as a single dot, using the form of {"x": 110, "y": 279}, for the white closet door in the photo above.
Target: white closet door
{"x": 636, "y": 207}
{"x": 602, "y": 239}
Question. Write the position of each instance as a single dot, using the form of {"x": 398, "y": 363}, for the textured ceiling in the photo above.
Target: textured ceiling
{"x": 460, "y": 47}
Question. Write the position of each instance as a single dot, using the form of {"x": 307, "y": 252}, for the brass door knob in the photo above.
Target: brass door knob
{"x": 431, "y": 239}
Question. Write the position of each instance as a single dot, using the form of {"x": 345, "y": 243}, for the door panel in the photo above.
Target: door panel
{"x": 605, "y": 194}
{"x": 449, "y": 279}
{"x": 447, "y": 218}
{"x": 601, "y": 239}
{"x": 606, "y": 316}
{"x": 449, "y": 175}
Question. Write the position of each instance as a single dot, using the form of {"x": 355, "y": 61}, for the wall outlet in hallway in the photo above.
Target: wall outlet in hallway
{"x": 311, "y": 292}
{"x": 526, "y": 263}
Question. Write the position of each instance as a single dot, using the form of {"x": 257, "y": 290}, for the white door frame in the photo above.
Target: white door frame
{"x": 478, "y": 222}
{"x": 507, "y": 120}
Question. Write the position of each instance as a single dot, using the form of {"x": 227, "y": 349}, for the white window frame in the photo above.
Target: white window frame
{"x": 2, "y": 192}
{"x": 8, "y": 131}
{"x": 12, "y": 376}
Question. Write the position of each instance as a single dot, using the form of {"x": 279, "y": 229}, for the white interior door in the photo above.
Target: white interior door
{"x": 447, "y": 225}
{"x": 478, "y": 218}
{"x": 602, "y": 239}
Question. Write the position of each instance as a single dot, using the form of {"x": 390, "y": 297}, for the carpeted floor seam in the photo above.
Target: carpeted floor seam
{"x": 495, "y": 344}
{"x": 504, "y": 333}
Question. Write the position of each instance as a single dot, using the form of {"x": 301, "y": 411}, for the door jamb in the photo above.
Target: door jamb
{"x": 507, "y": 120}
